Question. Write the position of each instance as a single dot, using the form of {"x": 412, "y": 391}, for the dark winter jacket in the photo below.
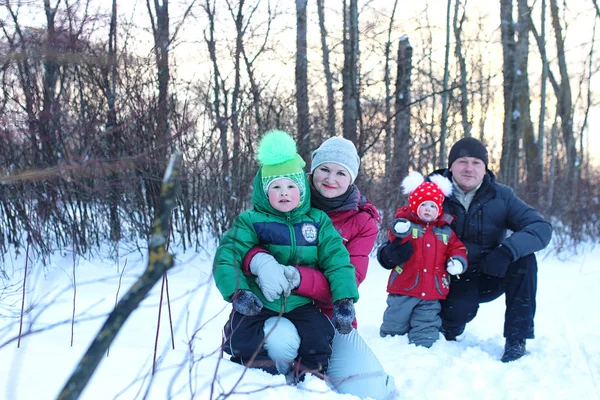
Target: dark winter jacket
{"x": 303, "y": 236}
{"x": 424, "y": 275}
{"x": 494, "y": 211}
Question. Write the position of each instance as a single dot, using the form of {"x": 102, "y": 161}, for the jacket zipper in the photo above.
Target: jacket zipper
{"x": 292, "y": 239}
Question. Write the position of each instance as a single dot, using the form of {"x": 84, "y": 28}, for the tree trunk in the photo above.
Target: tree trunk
{"x": 510, "y": 140}
{"x": 112, "y": 129}
{"x": 445, "y": 94}
{"x": 564, "y": 99}
{"x": 220, "y": 120}
{"x": 462, "y": 64}
{"x": 539, "y": 167}
{"x": 350, "y": 73}
{"x": 522, "y": 99}
{"x": 303, "y": 137}
{"x": 49, "y": 116}
{"x": 161, "y": 142}
{"x": 388, "y": 101}
{"x": 331, "y": 129}
{"x": 401, "y": 154}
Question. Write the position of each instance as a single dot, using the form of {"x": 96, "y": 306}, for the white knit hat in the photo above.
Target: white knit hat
{"x": 337, "y": 150}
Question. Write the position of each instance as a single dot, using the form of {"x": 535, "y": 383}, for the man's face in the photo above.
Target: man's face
{"x": 468, "y": 172}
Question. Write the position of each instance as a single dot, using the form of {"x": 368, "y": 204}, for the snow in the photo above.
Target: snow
{"x": 563, "y": 362}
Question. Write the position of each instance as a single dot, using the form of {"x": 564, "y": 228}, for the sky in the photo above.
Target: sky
{"x": 562, "y": 362}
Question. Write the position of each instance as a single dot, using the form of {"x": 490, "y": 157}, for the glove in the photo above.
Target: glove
{"x": 293, "y": 276}
{"x": 245, "y": 302}
{"x": 401, "y": 227}
{"x": 392, "y": 254}
{"x": 343, "y": 315}
{"x": 454, "y": 267}
{"x": 496, "y": 263}
{"x": 270, "y": 276}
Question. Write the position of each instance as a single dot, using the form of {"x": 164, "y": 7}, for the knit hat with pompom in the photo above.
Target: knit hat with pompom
{"x": 420, "y": 191}
{"x": 278, "y": 158}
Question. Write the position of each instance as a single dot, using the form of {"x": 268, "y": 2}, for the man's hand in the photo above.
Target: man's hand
{"x": 392, "y": 254}
{"x": 245, "y": 302}
{"x": 496, "y": 263}
{"x": 343, "y": 315}
{"x": 270, "y": 276}
{"x": 454, "y": 267}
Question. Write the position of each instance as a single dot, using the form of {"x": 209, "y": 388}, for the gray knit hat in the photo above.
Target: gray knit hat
{"x": 337, "y": 150}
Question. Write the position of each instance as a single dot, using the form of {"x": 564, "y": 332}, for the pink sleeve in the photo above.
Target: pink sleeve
{"x": 248, "y": 257}
{"x": 314, "y": 285}
{"x": 360, "y": 247}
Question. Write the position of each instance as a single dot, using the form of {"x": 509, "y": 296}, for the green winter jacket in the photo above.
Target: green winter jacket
{"x": 303, "y": 236}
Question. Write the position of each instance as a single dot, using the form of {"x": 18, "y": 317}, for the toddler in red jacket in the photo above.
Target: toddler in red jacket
{"x": 416, "y": 285}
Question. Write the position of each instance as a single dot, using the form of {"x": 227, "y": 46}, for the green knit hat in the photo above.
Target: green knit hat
{"x": 278, "y": 159}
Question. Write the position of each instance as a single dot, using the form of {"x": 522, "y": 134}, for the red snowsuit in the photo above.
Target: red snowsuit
{"x": 424, "y": 275}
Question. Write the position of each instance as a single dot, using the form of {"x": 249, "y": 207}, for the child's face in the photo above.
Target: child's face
{"x": 283, "y": 194}
{"x": 428, "y": 211}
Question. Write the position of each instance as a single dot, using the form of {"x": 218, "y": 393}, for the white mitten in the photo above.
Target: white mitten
{"x": 270, "y": 276}
{"x": 293, "y": 276}
{"x": 454, "y": 267}
{"x": 400, "y": 227}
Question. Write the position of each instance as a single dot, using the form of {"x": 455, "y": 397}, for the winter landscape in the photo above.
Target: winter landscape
{"x": 563, "y": 362}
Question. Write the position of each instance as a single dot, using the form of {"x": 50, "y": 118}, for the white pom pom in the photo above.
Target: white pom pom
{"x": 411, "y": 182}
{"x": 443, "y": 183}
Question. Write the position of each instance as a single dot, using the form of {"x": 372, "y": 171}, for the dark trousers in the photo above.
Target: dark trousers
{"x": 519, "y": 285}
{"x": 243, "y": 337}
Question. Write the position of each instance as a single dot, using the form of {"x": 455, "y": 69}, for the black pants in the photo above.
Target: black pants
{"x": 519, "y": 285}
{"x": 243, "y": 336}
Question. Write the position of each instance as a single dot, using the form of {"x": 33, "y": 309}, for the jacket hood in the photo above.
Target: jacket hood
{"x": 260, "y": 201}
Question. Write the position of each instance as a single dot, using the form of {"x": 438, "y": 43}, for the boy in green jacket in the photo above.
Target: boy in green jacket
{"x": 283, "y": 222}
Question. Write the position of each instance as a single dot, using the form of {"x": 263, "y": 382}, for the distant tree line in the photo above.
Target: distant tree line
{"x": 89, "y": 120}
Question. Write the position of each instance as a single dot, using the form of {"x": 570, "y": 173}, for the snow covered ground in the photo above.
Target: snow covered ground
{"x": 563, "y": 362}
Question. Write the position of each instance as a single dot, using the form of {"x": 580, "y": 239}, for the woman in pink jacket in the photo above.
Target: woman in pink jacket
{"x": 353, "y": 367}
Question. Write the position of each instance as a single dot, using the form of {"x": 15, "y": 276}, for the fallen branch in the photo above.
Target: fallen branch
{"x": 159, "y": 262}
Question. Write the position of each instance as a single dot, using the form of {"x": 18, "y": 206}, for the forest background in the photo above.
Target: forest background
{"x": 96, "y": 95}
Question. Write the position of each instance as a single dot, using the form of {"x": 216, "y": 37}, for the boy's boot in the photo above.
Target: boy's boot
{"x": 513, "y": 350}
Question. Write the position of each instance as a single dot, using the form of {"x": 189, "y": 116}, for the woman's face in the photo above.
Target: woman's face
{"x": 331, "y": 180}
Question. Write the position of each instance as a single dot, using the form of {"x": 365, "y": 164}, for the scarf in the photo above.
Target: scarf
{"x": 346, "y": 201}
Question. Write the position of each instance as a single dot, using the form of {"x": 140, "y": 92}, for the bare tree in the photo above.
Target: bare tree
{"x": 109, "y": 75}
{"x": 522, "y": 100}
{"x": 388, "y": 98}
{"x": 402, "y": 129}
{"x": 462, "y": 64}
{"x": 542, "y": 119}
{"x": 331, "y": 128}
{"x": 564, "y": 97}
{"x": 510, "y": 139}
{"x": 302, "y": 80}
{"x": 161, "y": 141}
{"x": 445, "y": 94}
{"x": 350, "y": 71}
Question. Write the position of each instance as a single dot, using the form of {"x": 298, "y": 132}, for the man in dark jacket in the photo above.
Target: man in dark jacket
{"x": 484, "y": 212}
